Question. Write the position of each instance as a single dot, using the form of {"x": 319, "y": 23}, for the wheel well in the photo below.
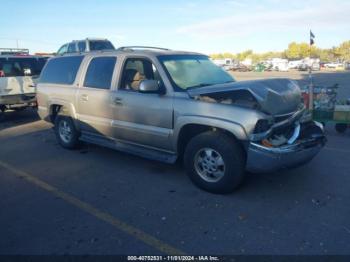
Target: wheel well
{"x": 191, "y": 130}
{"x": 54, "y": 111}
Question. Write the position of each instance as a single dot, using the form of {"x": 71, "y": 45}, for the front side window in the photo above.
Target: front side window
{"x": 61, "y": 70}
{"x": 63, "y": 50}
{"x": 99, "y": 73}
{"x": 193, "y": 71}
{"x": 82, "y": 46}
{"x": 135, "y": 71}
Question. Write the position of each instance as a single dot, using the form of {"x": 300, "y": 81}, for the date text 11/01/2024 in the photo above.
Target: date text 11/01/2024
{"x": 173, "y": 258}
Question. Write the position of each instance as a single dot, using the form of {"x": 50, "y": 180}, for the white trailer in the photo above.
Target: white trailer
{"x": 226, "y": 63}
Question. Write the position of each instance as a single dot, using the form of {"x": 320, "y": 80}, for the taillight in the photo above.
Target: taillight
{"x": 2, "y": 73}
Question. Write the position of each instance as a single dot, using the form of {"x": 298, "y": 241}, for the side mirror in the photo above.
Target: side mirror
{"x": 149, "y": 86}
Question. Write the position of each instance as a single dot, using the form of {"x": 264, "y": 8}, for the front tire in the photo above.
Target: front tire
{"x": 2, "y": 108}
{"x": 215, "y": 162}
{"x": 66, "y": 133}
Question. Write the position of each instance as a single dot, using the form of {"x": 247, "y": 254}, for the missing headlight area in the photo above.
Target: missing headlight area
{"x": 293, "y": 134}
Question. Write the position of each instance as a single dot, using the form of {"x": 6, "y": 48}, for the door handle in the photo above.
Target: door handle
{"x": 84, "y": 97}
{"x": 118, "y": 101}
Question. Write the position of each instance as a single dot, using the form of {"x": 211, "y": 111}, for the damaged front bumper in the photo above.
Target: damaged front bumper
{"x": 263, "y": 159}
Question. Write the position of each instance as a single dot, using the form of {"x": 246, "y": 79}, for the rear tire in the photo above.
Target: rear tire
{"x": 215, "y": 162}
{"x": 66, "y": 133}
{"x": 341, "y": 128}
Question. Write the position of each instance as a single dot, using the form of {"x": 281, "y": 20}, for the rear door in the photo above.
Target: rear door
{"x": 95, "y": 105}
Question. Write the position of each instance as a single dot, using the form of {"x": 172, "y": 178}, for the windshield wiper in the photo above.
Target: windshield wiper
{"x": 200, "y": 85}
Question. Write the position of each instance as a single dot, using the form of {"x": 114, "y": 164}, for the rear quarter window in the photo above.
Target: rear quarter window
{"x": 62, "y": 70}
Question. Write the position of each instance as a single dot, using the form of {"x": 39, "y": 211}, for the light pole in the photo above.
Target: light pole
{"x": 311, "y": 85}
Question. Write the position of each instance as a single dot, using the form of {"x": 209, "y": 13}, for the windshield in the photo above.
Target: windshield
{"x": 100, "y": 45}
{"x": 194, "y": 71}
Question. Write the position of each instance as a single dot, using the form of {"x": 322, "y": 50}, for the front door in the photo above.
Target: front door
{"x": 142, "y": 118}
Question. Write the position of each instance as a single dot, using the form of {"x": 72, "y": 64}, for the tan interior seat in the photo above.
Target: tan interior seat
{"x": 133, "y": 79}
{"x": 135, "y": 84}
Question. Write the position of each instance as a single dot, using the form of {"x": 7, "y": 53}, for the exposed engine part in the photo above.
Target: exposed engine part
{"x": 241, "y": 98}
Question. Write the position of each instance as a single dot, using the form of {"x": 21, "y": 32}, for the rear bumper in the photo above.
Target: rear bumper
{"x": 262, "y": 159}
{"x": 28, "y": 98}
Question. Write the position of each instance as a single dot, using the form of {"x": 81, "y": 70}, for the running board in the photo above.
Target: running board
{"x": 141, "y": 151}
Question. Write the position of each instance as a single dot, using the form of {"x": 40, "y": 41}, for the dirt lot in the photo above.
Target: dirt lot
{"x": 323, "y": 78}
{"x": 98, "y": 201}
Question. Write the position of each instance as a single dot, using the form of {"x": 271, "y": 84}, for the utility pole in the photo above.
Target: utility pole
{"x": 17, "y": 43}
{"x": 311, "y": 85}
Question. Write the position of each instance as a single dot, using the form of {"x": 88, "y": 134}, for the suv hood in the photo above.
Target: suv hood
{"x": 274, "y": 96}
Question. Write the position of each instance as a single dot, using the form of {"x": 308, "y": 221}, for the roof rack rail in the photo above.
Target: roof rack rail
{"x": 124, "y": 48}
{"x": 13, "y": 51}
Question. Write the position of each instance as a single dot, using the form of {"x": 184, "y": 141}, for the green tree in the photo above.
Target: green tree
{"x": 242, "y": 56}
{"x": 343, "y": 51}
{"x": 300, "y": 50}
{"x": 293, "y": 51}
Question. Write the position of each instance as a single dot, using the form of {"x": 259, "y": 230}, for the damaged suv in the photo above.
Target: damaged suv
{"x": 169, "y": 105}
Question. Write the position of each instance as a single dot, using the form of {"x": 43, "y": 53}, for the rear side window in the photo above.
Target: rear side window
{"x": 71, "y": 48}
{"x": 99, "y": 73}
{"x": 82, "y": 46}
{"x": 62, "y": 70}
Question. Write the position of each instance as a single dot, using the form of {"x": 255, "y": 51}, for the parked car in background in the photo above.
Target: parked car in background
{"x": 167, "y": 105}
{"x": 226, "y": 63}
{"x": 86, "y": 45}
{"x": 18, "y": 76}
{"x": 347, "y": 65}
{"x": 294, "y": 64}
{"x": 14, "y": 51}
{"x": 316, "y": 67}
{"x": 333, "y": 65}
{"x": 239, "y": 67}
{"x": 303, "y": 67}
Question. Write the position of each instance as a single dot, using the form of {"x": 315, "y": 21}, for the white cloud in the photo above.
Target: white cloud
{"x": 321, "y": 14}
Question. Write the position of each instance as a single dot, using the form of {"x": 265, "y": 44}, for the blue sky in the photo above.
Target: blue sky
{"x": 206, "y": 26}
